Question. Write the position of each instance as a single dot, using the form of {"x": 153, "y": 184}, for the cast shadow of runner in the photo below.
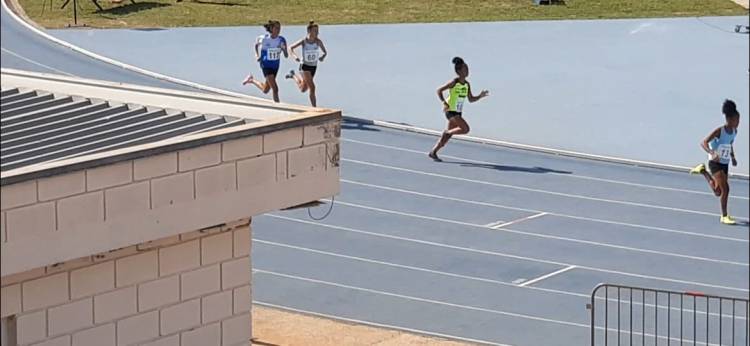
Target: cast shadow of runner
{"x": 356, "y": 125}
{"x": 507, "y": 168}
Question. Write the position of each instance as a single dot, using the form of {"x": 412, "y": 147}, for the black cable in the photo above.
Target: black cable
{"x": 309, "y": 211}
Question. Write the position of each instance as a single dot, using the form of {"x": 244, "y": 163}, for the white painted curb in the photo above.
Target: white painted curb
{"x": 380, "y": 123}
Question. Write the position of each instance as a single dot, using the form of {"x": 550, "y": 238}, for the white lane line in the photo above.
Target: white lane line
{"x": 577, "y": 176}
{"x": 500, "y": 206}
{"x": 500, "y": 254}
{"x": 493, "y": 224}
{"x": 419, "y": 269}
{"x": 453, "y": 305}
{"x": 380, "y": 325}
{"x": 513, "y": 284}
{"x": 423, "y": 300}
{"x": 35, "y": 62}
{"x": 545, "y": 236}
{"x": 519, "y": 220}
{"x": 558, "y": 272}
{"x": 561, "y": 194}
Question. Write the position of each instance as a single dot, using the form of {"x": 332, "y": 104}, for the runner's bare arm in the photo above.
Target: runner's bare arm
{"x": 323, "y": 48}
{"x": 291, "y": 49}
{"x": 473, "y": 98}
{"x": 710, "y": 137}
{"x": 442, "y": 89}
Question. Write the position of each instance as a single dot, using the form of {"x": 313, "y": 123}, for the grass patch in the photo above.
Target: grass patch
{"x": 169, "y": 13}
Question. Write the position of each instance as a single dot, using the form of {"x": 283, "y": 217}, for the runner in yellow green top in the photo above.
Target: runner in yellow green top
{"x": 459, "y": 91}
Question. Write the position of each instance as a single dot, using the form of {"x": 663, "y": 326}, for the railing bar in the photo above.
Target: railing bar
{"x": 606, "y": 314}
{"x": 708, "y": 324}
{"x": 721, "y": 318}
{"x": 656, "y": 318}
{"x": 734, "y": 312}
{"x": 631, "y": 318}
{"x": 593, "y": 315}
{"x": 618, "y": 316}
{"x": 747, "y": 321}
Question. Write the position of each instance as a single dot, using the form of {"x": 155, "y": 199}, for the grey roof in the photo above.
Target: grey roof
{"x": 38, "y": 126}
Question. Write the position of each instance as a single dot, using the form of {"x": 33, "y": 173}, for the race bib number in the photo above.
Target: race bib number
{"x": 273, "y": 54}
{"x": 459, "y": 105}
{"x": 311, "y": 55}
{"x": 724, "y": 152}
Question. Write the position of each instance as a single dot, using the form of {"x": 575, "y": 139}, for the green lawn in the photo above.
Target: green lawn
{"x": 169, "y": 13}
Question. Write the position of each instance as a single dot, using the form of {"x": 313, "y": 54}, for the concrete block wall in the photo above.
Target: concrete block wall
{"x": 115, "y": 206}
{"x": 190, "y": 289}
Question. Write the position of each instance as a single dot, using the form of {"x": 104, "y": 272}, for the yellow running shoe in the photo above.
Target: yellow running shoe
{"x": 698, "y": 169}
{"x": 728, "y": 220}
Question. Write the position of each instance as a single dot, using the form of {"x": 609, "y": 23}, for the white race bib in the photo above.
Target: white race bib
{"x": 273, "y": 54}
{"x": 459, "y": 105}
{"x": 724, "y": 151}
{"x": 311, "y": 55}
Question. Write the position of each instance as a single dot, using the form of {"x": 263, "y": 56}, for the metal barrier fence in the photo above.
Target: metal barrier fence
{"x": 646, "y": 316}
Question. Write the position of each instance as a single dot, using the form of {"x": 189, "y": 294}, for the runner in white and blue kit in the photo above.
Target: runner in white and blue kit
{"x": 720, "y": 149}
{"x": 271, "y": 45}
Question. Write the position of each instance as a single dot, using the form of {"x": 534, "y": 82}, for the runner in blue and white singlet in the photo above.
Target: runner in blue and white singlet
{"x": 271, "y": 49}
{"x": 268, "y": 50}
{"x": 313, "y": 50}
{"x": 720, "y": 149}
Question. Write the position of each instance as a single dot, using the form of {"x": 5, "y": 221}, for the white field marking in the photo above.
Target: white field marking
{"x": 572, "y": 175}
{"x": 640, "y": 27}
{"x": 35, "y": 62}
{"x": 374, "y": 324}
{"x": 491, "y": 224}
{"x": 500, "y": 206}
{"x": 519, "y": 220}
{"x": 442, "y": 303}
{"x": 514, "y": 284}
{"x": 545, "y": 236}
{"x": 561, "y": 194}
{"x": 557, "y": 272}
{"x": 500, "y": 254}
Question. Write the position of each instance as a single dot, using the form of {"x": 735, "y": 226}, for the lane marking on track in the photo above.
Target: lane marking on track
{"x": 528, "y": 189}
{"x": 35, "y": 62}
{"x": 576, "y": 176}
{"x": 558, "y": 272}
{"x": 519, "y": 220}
{"x": 500, "y": 254}
{"x": 500, "y": 206}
